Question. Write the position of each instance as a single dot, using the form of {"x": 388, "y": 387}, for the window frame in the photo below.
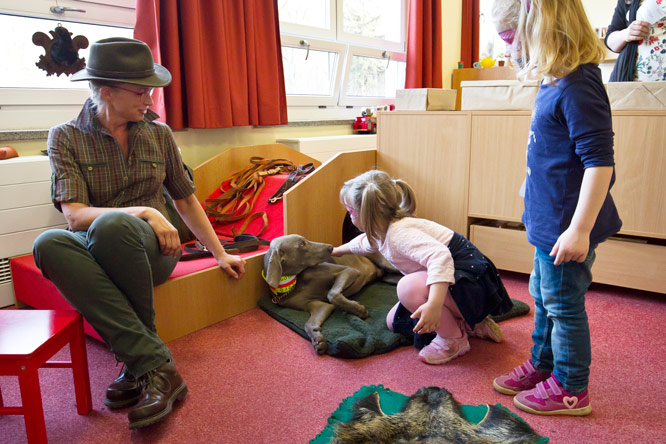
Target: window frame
{"x": 34, "y": 107}
{"x": 332, "y": 40}
{"x": 313, "y": 31}
{"x": 119, "y": 13}
{"x": 345, "y": 99}
{"x": 387, "y": 45}
{"x": 317, "y": 45}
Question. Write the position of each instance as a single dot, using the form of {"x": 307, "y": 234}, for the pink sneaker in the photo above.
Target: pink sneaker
{"x": 442, "y": 350}
{"x": 550, "y": 398}
{"x": 486, "y": 329}
{"x": 523, "y": 377}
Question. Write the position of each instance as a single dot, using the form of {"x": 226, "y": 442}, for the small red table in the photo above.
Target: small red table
{"x": 28, "y": 338}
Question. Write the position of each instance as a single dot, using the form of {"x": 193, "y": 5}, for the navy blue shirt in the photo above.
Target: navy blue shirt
{"x": 571, "y": 130}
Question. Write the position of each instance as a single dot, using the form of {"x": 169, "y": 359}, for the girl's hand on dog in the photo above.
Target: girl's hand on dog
{"x": 340, "y": 251}
{"x": 429, "y": 316}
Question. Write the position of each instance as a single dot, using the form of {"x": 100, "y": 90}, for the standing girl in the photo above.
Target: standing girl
{"x": 568, "y": 208}
{"x": 449, "y": 286}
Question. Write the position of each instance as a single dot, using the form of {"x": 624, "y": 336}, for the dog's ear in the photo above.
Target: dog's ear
{"x": 273, "y": 267}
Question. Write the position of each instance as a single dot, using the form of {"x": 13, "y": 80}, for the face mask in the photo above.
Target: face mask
{"x": 517, "y": 53}
{"x": 508, "y": 36}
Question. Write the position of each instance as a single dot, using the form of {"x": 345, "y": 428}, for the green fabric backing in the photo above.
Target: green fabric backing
{"x": 391, "y": 403}
{"x": 349, "y": 336}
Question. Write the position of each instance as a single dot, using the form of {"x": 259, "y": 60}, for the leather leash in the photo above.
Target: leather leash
{"x": 243, "y": 243}
{"x": 292, "y": 179}
{"x": 240, "y": 192}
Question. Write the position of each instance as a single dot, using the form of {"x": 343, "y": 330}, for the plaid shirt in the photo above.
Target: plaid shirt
{"x": 89, "y": 167}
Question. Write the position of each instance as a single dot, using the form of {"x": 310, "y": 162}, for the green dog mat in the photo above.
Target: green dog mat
{"x": 391, "y": 403}
{"x": 347, "y": 335}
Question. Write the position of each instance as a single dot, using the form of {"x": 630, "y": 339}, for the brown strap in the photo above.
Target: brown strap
{"x": 247, "y": 222}
{"x": 292, "y": 179}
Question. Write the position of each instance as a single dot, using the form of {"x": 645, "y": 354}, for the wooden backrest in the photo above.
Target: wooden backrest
{"x": 209, "y": 175}
{"x": 312, "y": 208}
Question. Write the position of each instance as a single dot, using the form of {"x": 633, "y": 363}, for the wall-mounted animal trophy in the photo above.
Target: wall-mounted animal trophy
{"x": 62, "y": 55}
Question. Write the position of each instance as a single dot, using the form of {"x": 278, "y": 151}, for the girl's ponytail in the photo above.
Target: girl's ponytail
{"x": 378, "y": 200}
{"x": 407, "y": 205}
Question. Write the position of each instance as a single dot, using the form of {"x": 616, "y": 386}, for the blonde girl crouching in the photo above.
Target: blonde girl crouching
{"x": 449, "y": 287}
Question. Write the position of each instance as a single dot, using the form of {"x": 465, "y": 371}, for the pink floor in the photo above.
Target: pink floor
{"x": 252, "y": 380}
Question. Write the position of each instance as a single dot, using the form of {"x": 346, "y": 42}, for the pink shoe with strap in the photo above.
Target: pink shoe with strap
{"x": 550, "y": 398}
{"x": 523, "y": 377}
{"x": 442, "y": 350}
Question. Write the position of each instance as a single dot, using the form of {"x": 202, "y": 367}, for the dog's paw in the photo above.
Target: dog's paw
{"x": 362, "y": 312}
{"x": 320, "y": 345}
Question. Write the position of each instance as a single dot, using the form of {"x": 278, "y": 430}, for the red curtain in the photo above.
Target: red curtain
{"x": 424, "y": 44}
{"x": 225, "y": 58}
{"x": 469, "y": 42}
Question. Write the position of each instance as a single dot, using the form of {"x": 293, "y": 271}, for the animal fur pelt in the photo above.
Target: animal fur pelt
{"x": 430, "y": 416}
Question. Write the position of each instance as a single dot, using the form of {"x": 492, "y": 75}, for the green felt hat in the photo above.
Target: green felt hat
{"x": 123, "y": 60}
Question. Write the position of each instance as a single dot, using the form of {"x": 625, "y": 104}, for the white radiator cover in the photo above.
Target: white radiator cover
{"x": 25, "y": 212}
{"x": 323, "y": 148}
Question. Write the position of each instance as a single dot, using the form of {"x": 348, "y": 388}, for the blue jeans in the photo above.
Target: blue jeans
{"x": 107, "y": 273}
{"x": 561, "y": 332}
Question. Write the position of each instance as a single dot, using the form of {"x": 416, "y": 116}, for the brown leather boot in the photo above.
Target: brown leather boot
{"x": 160, "y": 388}
{"x": 124, "y": 391}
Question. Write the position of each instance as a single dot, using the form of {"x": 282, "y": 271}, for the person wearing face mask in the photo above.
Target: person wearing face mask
{"x": 505, "y": 15}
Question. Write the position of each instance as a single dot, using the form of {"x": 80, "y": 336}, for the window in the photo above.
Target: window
{"x": 490, "y": 43}
{"x": 378, "y": 23}
{"x": 312, "y": 69}
{"x": 343, "y": 52}
{"x": 28, "y": 97}
{"x": 23, "y": 56}
{"x": 372, "y": 76}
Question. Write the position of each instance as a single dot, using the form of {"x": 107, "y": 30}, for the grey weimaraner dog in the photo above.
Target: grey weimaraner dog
{"x": 322, "y": 282}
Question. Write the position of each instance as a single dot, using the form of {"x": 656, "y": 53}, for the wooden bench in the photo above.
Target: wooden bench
{"x": 198, "y": 299}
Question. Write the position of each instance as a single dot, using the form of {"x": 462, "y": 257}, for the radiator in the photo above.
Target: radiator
{"x": 323, "y": 148}
{"x": 25, "y": 212}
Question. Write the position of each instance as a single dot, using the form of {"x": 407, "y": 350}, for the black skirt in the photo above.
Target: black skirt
{"x": 478, "y": 290}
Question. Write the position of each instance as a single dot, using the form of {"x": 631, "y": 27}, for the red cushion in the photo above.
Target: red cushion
{"x": 31, "y": 288}
{"x": 273, "y": 211}
{"x": 275, "y": 226}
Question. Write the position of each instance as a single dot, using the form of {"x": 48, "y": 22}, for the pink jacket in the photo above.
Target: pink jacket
{"x": 412, "y": 245}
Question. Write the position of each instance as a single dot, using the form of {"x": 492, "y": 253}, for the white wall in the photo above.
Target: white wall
{"x": 599, "y": 12}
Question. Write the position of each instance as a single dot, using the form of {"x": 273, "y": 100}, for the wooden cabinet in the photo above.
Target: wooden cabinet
{"x": 497, "y": 164}
{"x": 429, "y": 150}
{"x": 469, "y": 166}
{"x": 640, "y": 167}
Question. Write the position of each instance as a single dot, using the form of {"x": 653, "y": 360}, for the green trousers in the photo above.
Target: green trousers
{"x": 107, "y": 273}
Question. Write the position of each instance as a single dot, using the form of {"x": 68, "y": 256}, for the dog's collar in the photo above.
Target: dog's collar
{"x": 287, "y": 284}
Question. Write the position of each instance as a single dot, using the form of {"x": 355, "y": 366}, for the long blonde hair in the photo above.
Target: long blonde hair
{"x": 556, "y": 38}
{"x": 378, "y": 200}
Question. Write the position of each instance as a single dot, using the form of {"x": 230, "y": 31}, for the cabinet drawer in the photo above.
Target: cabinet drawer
{"x": 507, "y": 248}
{"x": 622, "y": 263}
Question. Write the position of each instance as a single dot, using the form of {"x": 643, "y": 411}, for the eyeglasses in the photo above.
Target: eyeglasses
{"x": 142, "y": 94}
